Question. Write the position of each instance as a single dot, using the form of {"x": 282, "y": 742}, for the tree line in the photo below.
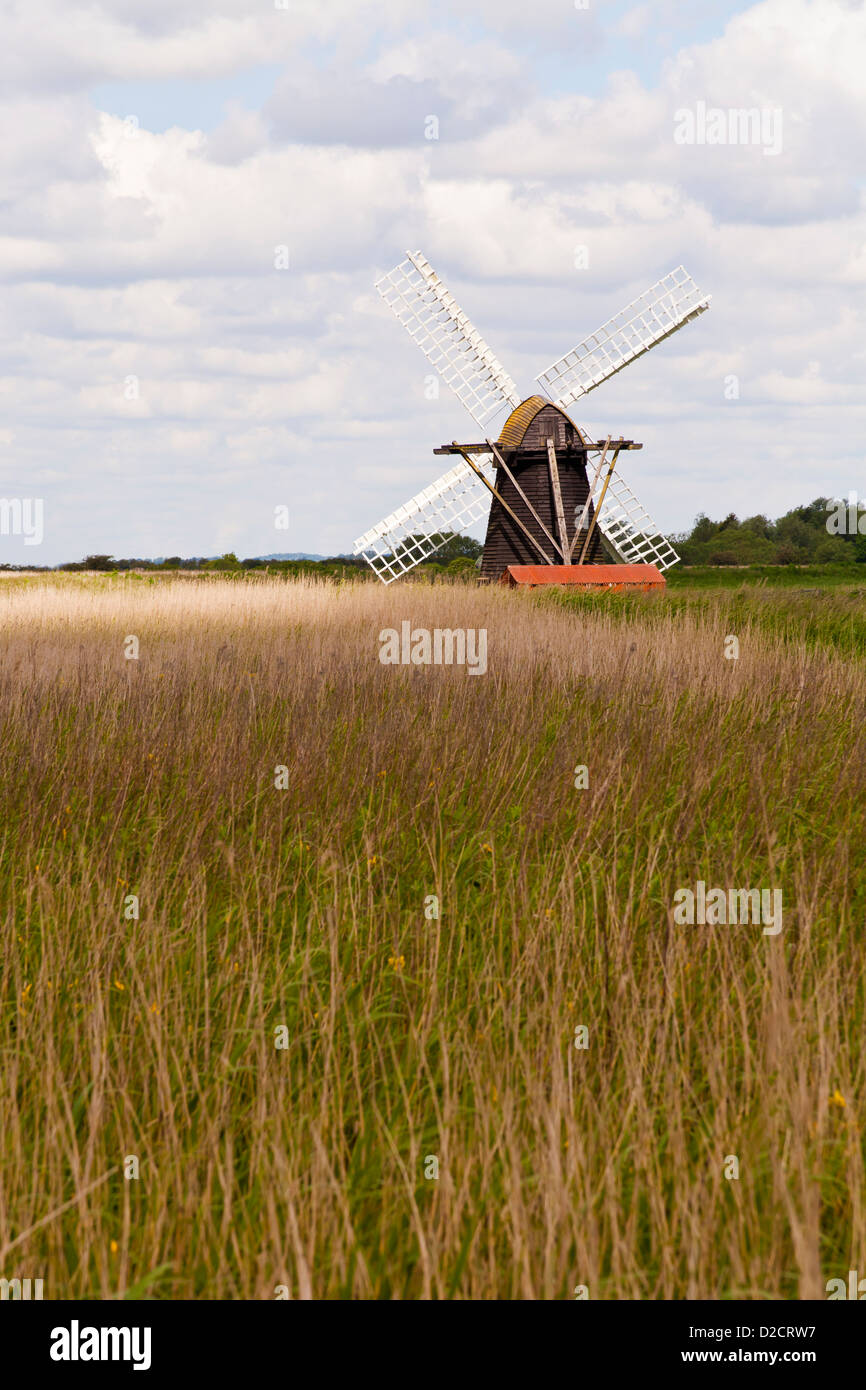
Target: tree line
{"x": 825, "y": 532}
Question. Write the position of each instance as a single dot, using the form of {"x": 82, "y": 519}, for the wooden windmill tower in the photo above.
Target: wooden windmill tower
{"x": 556, "y": 503}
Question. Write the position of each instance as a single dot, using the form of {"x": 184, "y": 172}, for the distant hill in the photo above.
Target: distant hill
{"x": 295, "y": 555}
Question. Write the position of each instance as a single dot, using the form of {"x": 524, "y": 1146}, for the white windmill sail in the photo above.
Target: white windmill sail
{"x": 663, "y": 309}
{"x": 628, "y": 527}
{"x": 416, "y": 530}
{"x": 452, "y": 345}
{"x": 461, "y": 357}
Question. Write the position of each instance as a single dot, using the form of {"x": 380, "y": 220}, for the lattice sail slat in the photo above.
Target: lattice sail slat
{"x": 663, "y": 309}
{"x": 630, "y": 530}
{"x": 416, "y": 530}
{"x": 452, "y": 345}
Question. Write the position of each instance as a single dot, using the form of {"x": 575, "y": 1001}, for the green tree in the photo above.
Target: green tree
{"x": 229, "y": 561}
{"x": 703, "y": 529}
{"x": 759, "y": 525}
{"x": 455, "y": 547}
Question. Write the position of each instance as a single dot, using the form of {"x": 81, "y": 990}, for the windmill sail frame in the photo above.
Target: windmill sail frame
{"x": 464, "y": 361}
{"x": 423, "y": 525}
{"x": 662, "y": 310}
{"x": 450, "y": 342}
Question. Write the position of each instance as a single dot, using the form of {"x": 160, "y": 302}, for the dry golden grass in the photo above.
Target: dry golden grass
{"x": 407, "y": 1037}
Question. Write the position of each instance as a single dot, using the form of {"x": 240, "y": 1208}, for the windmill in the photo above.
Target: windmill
{"x": 545, "y": 510}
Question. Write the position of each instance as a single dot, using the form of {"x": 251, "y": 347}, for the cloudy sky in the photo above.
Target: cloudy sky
{"x": 166, "y": 385}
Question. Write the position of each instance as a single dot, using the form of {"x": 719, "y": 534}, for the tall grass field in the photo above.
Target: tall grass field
{"x": 328, "y": 978}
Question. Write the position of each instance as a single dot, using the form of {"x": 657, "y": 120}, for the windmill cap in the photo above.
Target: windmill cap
{"x": 518, "y": 422}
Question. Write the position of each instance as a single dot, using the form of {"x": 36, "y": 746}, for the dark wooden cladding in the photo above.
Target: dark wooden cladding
{"x": 505, "y": 543}
{"x": 528, "y": 462}
{"x": 523, "y": 448}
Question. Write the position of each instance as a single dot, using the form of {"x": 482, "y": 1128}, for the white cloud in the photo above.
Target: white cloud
{"x": 47, "y": 46}
{"x": 152, "y": 254}
{"x": 635, "y": 22}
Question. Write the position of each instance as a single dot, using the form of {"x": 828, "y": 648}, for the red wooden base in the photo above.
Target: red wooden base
{"x": 644, "y": 577}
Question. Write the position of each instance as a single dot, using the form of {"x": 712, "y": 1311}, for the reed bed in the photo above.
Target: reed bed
{"x": 328, "y": 1090}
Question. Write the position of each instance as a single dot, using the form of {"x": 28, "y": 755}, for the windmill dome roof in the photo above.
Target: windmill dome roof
{"x": 518, "y": 422}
